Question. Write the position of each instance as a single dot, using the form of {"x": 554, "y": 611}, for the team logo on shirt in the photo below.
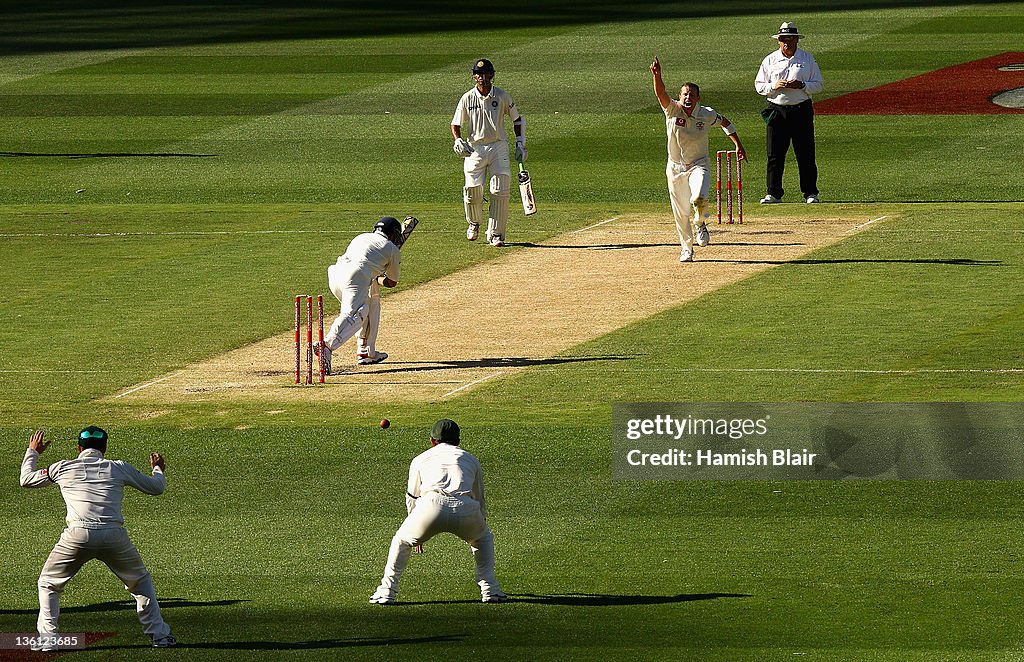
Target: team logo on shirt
{"x": 700, "y": 125}
{"x": 473, "y": 107}
{"x": 680, "y": 121}
{"x": 494, "y": 104}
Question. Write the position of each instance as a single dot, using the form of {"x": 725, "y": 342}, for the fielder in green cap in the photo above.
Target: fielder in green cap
{"x": 93, "y": 488}
{"x": 445, "y": 495}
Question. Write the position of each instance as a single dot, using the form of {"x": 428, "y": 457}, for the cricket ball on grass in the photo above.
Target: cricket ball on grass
{"x": 385, "y": 424}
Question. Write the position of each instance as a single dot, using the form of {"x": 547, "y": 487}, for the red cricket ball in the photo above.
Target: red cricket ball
{"x": 385, "y": 423}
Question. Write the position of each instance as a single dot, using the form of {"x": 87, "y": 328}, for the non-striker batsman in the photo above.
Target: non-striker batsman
{"x": 478, "y": 128}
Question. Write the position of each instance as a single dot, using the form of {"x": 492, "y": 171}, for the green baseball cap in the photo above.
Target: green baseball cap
{"x": 93, "y": 432}
{"x": 446, "y": 430}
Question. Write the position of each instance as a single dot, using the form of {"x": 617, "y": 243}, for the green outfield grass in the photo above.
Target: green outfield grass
{"x": 164, "y": 192}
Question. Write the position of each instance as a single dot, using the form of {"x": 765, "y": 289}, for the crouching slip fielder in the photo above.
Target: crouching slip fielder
{"x": 480, "y": 113}
{"x": 689, "y": 181}
{"x": 93, "y": 489}
{"x": 445, "y": 495}
{"x": 372, "y": 259}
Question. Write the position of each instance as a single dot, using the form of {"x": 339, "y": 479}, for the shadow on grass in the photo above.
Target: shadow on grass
{"x": 619, "y": 247}
{"x": 594, "y": 599}
{"x": 505, "y": 362}
{"x": 68, "y": 25}
{"x": 125, "y": 605}
{"x": 353, "y": 642}
{"x": 953, "y": 262}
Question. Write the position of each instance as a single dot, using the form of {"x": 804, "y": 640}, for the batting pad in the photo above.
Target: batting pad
{"x": 367, "y": 336}
{"x": 474, "y": 199}
{"x": 498, "y": 213}
{"x": 345, "y": 327}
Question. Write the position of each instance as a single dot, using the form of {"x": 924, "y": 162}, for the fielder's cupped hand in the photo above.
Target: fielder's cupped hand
{"x": 462, "y": 148}
{"x": 157, "y": 460}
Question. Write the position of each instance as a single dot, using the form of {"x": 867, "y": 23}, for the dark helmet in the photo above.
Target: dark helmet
{"x": 483, "y": 66}
{"x": 390, "y": 228}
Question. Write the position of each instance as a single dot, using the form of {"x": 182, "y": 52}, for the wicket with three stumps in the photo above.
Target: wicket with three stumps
{"x": 730, "y": 157}
{"x": 309, "y": 337}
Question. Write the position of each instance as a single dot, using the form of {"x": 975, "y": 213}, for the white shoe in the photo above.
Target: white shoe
{"x": 686, "y": 256}
{"x": 813, "y": 200}
{"x": 165, "y": 642}
{"x": 703, "y": 236}
{"x": 370, "y": 359}
{"x": 49, "y": 645}
{"x": 496, "y": 240}
{"x": 323, "y": 349}
{"x": 473, "y": 231}
{"x": 381, "y": 597}
{"x": 494, "y": 598}
{"x": 770, "y": 200}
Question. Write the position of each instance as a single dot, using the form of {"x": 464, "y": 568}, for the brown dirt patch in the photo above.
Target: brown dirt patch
{"x": 502, "y": 316}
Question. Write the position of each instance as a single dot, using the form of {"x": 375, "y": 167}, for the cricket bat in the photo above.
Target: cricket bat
{"x": 408, "y": 226}
{"x": 526, "y": 191}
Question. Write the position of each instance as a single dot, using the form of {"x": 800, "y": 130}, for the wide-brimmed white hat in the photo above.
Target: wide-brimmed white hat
{"x": 787, "y": 30}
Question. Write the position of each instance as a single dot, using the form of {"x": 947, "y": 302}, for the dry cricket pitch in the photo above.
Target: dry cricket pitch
{"x": 499, "y": 317}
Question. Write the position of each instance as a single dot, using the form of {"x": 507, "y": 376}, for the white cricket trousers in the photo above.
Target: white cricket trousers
{"x": 489, "y": 157}
{"x": 359, "y": 296}
{"x": 688, "y": 188}
{"x": 111, "y": 545}
{"x": 436, "y": 513}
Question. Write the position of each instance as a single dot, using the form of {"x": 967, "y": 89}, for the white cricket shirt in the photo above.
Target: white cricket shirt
{"x": 370, "y": 255}
{"x": 482, "y": 118}
{"x": 688, "y": 134}
{"x": 92, "y": 486}
{"x": 447, "y": 470}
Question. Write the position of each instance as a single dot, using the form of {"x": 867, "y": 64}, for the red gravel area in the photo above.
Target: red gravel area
{"x": 963, "y": 89}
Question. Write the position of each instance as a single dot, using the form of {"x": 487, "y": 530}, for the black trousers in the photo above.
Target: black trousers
{"x": 792, "y": 124}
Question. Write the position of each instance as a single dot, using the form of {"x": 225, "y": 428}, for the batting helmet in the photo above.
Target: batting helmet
{"x": 483, "y": 66}
{"x": 390, "y": 228}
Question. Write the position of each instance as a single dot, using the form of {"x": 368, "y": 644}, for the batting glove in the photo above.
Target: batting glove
{"x": 462, "y": 148}
{"x": 521, "y": 152}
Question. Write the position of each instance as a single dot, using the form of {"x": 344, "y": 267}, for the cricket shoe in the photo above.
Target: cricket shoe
{"x": 703, "y": 236}
{"x": 770, "y": 200}
{"x": 494, "y": 598}
{"x": 686, "y": 255}
{"x": 326, "y": 357}
{"x": 370, "y": 359}
{"x": 45, "y": 643}
{"x": 473, "y": 231}
{"x": 812, "y": 199}
{"x": 165, "y": 642}
{"x": 381, "y": 597}
{"x": 496, "y": 240}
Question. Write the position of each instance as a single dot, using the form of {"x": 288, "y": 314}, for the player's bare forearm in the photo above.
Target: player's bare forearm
{"x": 456, "y": 131}
{"x": 659, "y": 84}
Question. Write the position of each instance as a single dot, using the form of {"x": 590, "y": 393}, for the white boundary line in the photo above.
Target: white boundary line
{"x": 148, "y": 384}
{"x": 473, "y": 383}
{"x": 821, "y": 371}
{"x": 864, "y": 225}
{"x": 193, "y": 233}
{"x": 595, "y": 225}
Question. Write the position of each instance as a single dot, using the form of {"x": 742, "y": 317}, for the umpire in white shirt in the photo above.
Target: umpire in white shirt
{"x": 445, "y": 495}
{"x": 93, "y": 488}
{"x": 787, "y": 78}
